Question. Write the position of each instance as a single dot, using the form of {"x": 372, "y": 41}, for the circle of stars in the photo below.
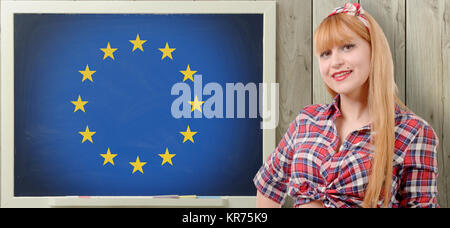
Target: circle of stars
{"x": 87, "y": 134}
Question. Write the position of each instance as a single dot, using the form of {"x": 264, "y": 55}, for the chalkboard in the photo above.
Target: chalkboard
{"x": 132, "y": 69}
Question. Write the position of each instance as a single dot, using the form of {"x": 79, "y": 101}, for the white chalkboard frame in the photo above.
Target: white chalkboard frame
{"x": 9, "y": 8}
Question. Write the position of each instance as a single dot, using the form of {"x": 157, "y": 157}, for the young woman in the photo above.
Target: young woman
{"x": 366, "y": 148}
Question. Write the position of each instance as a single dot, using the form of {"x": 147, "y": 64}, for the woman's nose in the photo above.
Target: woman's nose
{"x": 336, "y": 60}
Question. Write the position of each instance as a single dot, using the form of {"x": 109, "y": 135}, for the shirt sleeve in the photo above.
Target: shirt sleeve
{"x": 419, "y": 180}
{"x": 273, "y": 176}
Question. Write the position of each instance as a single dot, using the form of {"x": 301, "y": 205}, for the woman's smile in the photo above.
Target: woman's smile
{"x": 341, "y": 76}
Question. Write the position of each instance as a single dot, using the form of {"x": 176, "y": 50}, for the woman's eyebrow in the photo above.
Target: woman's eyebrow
{"x": 351, "y": 41}
{"x": 346, "y": 42}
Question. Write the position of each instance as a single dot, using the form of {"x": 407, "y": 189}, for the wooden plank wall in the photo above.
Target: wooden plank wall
{"x": 418, "y": 32}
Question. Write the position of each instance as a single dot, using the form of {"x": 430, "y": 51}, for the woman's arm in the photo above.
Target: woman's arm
{"x": 272, "y": 178}
{"x": 264, "y": 202}
{"x": 419, "y": 180}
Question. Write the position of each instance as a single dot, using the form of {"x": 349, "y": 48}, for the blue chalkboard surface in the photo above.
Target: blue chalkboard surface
{"x": 138, "y": 148}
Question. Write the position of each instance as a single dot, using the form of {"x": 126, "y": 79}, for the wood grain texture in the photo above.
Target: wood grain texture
{"x": 390, "y": 15}
{"x": 424, "y": 64}
{"x": 293, "y": 59}
{"x": 445, "y": 139}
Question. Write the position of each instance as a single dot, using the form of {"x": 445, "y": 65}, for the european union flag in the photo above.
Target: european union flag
{"x": 94, "y": 101}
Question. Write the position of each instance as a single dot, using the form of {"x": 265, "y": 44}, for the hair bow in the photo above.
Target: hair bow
{"x": 353, "y": 9}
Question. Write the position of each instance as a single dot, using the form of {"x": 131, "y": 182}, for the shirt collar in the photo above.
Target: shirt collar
{"x": 334, "y": 111}
{"x": 335, "y": 105}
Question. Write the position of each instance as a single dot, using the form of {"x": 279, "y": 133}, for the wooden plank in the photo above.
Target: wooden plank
{"x": 444, "y": 140}
{"x": 390, "y": 15}
{"x": 321, "y": 9}
{"x": 424, "y": 71}
{"x": 293, "y": 59}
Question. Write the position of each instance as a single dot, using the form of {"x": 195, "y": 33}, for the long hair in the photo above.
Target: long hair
{"x": 382, "y": 96}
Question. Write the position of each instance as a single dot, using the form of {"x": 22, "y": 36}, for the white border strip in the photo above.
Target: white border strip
{"x": 148, "y": 7}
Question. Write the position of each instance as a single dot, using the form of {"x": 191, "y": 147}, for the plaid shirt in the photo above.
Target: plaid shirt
{"x": 307, "y": 166}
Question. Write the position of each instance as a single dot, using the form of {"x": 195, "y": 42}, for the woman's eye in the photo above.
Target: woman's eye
{"x": 348, "y": 46}
{"x": 325, "y": 54}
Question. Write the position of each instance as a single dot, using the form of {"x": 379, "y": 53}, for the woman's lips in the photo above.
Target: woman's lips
{"x": 342, "y": 77}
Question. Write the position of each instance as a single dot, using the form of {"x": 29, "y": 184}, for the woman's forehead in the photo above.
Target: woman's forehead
{"x": 335, "y": 37}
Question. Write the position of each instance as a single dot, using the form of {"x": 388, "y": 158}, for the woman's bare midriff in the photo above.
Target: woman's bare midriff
{"x": 313, "y": 204}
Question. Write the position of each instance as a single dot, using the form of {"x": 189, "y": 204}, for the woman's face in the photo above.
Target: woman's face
{"x": 346, "y": 68}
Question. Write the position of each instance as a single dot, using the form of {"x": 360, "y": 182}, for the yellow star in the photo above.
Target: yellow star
{"x": 188, "y": 134}
{"x": 188, "y": 73}
{"x": 138, "y": 43}
{"x": 87, "y": 135}
{"x": 138, "y": 165}
{"x": 108, "y": 157}
{"x": 196, "y": 104}
{"x": 79, "y": 104}
{"x": 167, "y": 157}
{"x": 108, "y": 51}
{"x": 167, "y": 52}
{"x": 87, "y": 74}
